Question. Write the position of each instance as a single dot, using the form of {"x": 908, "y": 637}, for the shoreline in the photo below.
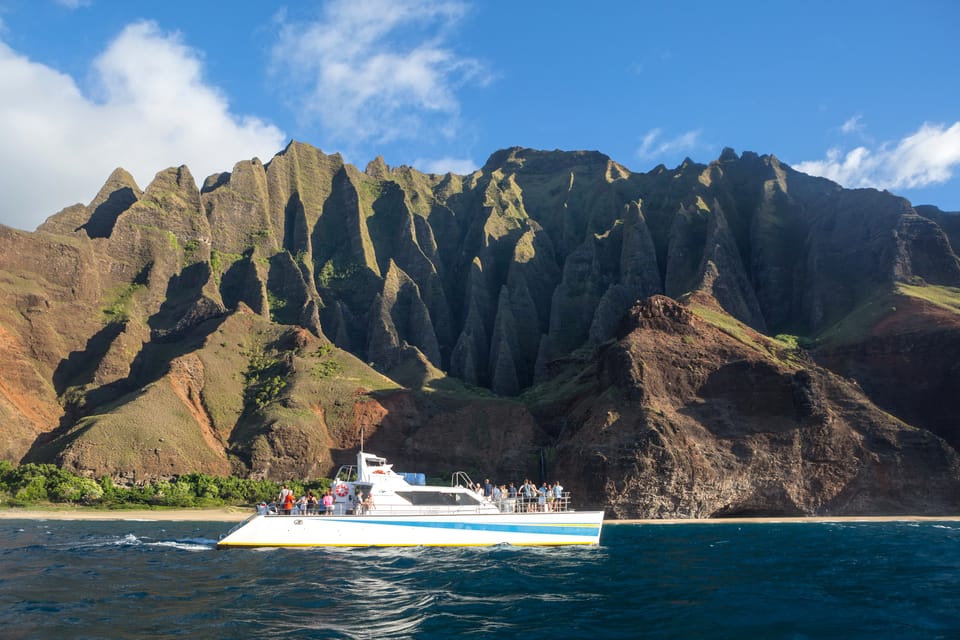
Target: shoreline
{"x": 237, "y": 514}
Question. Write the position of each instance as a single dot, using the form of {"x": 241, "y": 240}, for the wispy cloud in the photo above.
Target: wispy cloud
{"x": 152, "y": 110}
{"x": 379, "y": 70}
{"x": 928, "y": 156}
{"x": 458, "y": 166}
{"x": 74, "y": 4}
{"x": 654, "y": 146}
{"x": 852, "y": 125}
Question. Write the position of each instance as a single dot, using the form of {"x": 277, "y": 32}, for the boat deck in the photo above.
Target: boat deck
{"x": 508, "y": 505}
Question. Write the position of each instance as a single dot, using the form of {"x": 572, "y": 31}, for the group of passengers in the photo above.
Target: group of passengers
{"x": 528, "y": 497}
{"x": 308, "y": 504}
{"x": 364, "y": 503}
{"x": 509, "y": 498}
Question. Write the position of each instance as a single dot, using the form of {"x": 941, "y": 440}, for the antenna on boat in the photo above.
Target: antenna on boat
{"x": 361, "y": 438}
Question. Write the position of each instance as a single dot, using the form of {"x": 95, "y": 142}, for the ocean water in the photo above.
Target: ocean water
{"x": 83, "y": 579}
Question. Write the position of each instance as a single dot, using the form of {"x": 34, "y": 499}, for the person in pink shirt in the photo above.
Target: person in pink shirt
{"x": 328, "y": 503}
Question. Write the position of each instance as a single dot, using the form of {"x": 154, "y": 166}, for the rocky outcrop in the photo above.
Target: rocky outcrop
{"x": 909, "y": 363}
{"x": 681, "y": 419}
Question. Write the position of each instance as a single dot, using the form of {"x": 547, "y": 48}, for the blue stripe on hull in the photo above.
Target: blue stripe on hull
{"x": 538, "y": 529}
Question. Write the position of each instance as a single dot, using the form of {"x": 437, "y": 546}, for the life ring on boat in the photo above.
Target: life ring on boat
{"x": 379, "y": 471}
{"x": 342, "y": 490}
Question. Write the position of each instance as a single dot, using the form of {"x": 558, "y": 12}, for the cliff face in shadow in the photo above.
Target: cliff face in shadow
{"x": 685, "y": 417}
{"x": 184, "y": 327}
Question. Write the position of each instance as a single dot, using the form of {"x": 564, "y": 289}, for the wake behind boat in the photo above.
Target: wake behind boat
{"x": 376, "y": 506}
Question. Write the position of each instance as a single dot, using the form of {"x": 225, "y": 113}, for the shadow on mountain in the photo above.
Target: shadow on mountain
{"x": 184, "y": 305}
{"x": 104, "y": 217}
{"x": 79, "y": 367}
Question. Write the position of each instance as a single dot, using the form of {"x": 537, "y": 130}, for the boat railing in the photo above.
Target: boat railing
{"x": 520, "y": 504}
{"x": 461, "y": 479}
{"x": 539, "y": 503}
{"x": 387, "y": 510}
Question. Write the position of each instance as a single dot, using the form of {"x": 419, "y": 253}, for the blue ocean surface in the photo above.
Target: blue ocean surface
{"x": 119, "y": 579}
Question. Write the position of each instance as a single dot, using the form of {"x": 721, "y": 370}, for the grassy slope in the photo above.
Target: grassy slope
{"x": 944, "y": 297}
{"x": 783, "y": 349}
{"x": 860, "y": 323}
{"x": 153, "y": 426}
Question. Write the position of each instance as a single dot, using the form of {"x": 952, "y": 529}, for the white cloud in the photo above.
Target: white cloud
{"x": 653, "y": 146}
{"x": 151, "y": 110}
{"x": 925, "y": 157}
{"x": 379, "y": 70}
{"x": 458, "y": 166}
{"x": 74, "y": 4}
{"x": 852, "y": 125}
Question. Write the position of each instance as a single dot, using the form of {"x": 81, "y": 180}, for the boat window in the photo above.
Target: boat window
{"x": 434, "y": 498}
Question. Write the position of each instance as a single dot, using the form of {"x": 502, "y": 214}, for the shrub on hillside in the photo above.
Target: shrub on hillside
{"x": 29, "y": 484}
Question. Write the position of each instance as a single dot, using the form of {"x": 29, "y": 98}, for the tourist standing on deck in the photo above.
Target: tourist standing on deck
{"x": 367, "y": 503}
{"x": 328, "y": 503}
{"x": 527, "y": 491}
{"x": 285, "y": 500}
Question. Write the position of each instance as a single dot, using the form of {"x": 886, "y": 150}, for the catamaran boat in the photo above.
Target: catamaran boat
{"x": 375, "y": 506}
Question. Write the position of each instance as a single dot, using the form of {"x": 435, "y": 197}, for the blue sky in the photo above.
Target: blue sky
{"x": 865, "y": 93}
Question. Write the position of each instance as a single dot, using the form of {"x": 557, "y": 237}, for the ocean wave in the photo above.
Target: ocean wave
{"x": 133, "y": 540}
{"x": 186, "y": 545}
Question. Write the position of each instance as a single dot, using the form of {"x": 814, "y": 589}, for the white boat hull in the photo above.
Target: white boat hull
{"x": 523, "y": 529}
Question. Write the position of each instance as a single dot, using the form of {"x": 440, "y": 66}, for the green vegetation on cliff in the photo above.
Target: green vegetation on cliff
{"x": 944, "y": 297}
{"x": 118, "y": 304}
{"x": 37, "y": 484}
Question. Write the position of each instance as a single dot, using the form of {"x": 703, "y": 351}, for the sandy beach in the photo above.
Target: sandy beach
{"x": 236, "y": 514}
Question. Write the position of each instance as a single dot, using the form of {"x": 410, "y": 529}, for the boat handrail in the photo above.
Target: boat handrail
{"x": 461, "y": 479}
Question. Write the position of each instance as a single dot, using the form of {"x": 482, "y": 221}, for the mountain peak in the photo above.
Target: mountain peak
{"x": 728, "y": 155}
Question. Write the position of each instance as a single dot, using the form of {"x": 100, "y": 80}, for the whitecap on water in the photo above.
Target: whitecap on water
{"x": 131, "y": 540}
{"x": 128, "y": 539}
{"x": 188, "y": 544}
{"x": 185, "y": 545}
